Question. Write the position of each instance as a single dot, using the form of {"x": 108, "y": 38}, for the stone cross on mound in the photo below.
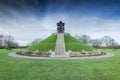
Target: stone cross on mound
{"x": 60, "y": 27}
{"x": 60, "y": 44}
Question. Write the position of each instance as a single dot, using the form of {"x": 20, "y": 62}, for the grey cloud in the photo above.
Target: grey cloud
{"x": 25, "y": 29}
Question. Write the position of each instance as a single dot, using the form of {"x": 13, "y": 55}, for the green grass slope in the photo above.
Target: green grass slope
{"x": 45, "y": 45}
{"x": 73, "y": 44}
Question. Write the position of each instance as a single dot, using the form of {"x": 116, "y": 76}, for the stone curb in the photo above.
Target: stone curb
{"x": 90, "y": 57}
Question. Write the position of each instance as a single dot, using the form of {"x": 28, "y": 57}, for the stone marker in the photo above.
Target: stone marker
{"x": 60, "y": 27}
{"x": 60, "y": 44}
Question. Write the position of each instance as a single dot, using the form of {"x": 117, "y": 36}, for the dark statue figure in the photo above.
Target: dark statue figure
{"x": 60, "y": 27}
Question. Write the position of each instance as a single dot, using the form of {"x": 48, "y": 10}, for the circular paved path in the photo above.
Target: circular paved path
{"x": 90, "y": 57}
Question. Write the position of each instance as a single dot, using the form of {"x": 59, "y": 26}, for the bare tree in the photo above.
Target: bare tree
{"x": 108, "y": 41}
{"x": 35, "y": 41}
{"x": 9, "y": 42}
{"x": 114, "y": 44}
{"x": 85, "y": 38}
{"x": 96, "y": 42}
{"x": 1, "y": 40}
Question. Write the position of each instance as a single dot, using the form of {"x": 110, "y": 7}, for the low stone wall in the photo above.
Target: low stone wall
{"x": 34, "y": 54}
{"x": 83, "y": 54}
{"x": 68, "y": 54}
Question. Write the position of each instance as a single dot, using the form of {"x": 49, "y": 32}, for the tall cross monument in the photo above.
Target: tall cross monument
{"x": 60, "y": 27}
{"x": 60, "y": 43}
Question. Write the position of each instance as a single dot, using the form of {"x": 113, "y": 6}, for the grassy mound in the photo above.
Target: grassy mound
{"x": 73, "y": 44}
{"x": 45, "y": 45}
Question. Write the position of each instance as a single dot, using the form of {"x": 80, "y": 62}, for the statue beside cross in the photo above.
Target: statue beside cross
{"x": 60, "y": 27}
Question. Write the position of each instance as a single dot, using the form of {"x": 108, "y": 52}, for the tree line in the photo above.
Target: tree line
{"x": 104, "y": 42}
{"x": 7, "y": 41}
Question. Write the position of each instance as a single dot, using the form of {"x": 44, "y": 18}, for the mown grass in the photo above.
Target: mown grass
{"x": 44, "y": 46}
{"x": 73, "y": 44}
{"x": 81, "y": 69}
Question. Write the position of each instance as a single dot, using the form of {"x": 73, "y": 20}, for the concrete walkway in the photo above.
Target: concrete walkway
{"x": 90, "y": 57}
{"x": 60, "y": 45}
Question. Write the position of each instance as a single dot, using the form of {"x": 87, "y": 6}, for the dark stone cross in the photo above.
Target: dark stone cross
{"x": 60, "y": 27}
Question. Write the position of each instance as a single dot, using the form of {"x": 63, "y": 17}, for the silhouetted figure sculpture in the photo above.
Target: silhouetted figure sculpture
{"x": 60, "y": 27}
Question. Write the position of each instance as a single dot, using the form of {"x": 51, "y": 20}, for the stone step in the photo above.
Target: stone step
{"x": 60, "y": 45}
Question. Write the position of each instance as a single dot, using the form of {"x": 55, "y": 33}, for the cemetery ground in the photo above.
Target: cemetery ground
{"x": 12, "y": 68}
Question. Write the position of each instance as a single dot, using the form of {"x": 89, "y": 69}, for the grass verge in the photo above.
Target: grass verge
{"x": 81, "y": 69}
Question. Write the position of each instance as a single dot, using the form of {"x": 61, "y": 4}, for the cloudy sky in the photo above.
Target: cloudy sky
{"x": 26, "y": 20}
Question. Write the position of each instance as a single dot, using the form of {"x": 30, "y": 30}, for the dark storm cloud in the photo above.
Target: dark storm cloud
{"x": 92, "y": 7}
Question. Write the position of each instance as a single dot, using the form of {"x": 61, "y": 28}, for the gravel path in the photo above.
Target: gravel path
{"x": 90, "y": 57}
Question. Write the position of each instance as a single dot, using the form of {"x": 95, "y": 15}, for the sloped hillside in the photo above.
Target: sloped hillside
{"x": 71, "y": 43}
{"x": 45, "y": 45}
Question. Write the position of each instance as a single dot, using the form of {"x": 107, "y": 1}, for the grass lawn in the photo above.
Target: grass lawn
{"x": 82, "y": 69}
{"x": 45, "y": 45}
{"x": 73, "y": 44}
